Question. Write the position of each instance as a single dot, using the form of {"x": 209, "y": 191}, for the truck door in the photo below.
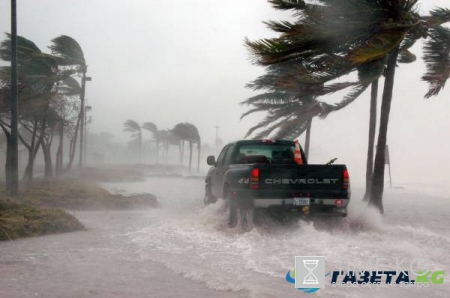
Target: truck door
{"x": 222, "y": 168}
{"x": 215, "y": 181}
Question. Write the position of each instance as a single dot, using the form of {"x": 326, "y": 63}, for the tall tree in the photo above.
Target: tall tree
{"x": 372, "y": 130}
{"x": 189, "y": 132}
{"x": 38, "y": 74}
{"x": 359, "y": 33}
{"x": 151, "y": 127}
{"x": 136, "y": 132}
{"x": 70, "y": 54}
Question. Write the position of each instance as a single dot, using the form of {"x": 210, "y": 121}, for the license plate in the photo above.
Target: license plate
{"x": 301, "y": 201}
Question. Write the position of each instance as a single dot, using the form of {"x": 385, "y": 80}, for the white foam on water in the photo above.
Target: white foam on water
{"x": 195, "y": 242}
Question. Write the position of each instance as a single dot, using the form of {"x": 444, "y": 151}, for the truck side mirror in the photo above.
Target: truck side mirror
{"x": 211, "y": 160}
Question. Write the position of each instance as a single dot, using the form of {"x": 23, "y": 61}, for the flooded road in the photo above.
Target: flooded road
{"x": 183, "y": 249}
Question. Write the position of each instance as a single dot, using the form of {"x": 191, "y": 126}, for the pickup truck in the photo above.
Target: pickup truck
{"x": 253, "y": 174}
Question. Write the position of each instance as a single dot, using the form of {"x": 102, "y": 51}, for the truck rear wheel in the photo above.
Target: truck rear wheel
{"x": 209, "y": 198}
{"x": 233, "y": 206}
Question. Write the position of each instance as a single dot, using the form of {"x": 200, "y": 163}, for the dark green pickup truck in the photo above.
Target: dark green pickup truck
{"x": 265, "y": 174}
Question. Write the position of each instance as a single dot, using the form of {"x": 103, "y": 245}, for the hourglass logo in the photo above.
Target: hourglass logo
{"x": 310, "y": 272}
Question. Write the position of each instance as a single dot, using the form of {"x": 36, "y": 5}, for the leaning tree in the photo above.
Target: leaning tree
{"x": 362, "y": 33}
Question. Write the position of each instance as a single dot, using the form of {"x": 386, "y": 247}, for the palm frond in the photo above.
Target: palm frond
{"x": 150, "y": 126}
{"x": 437, "y": 59}
{"x": 131, "y": 126}
{"x": 70, "y": 87}
{"x": 68, "y": 51}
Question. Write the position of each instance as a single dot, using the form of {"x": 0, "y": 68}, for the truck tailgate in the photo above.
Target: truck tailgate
{"x": 312, "y": 180}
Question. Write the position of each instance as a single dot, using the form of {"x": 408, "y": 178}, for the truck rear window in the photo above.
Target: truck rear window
{"x": 265, "y": 153}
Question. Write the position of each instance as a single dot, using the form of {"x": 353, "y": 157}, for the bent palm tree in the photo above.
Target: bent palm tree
{"x": 151, "y": 127}
{"x": 360, "y": 32}
{"x": 68, "y": 52}
{"x": 136, "y": 132}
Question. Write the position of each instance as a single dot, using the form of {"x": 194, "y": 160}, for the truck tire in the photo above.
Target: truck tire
{"x": 209, "y": 198}
{"x": 233, "y": 206}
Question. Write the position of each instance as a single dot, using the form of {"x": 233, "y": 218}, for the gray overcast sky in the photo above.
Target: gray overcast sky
{"x": 184, "y": 60}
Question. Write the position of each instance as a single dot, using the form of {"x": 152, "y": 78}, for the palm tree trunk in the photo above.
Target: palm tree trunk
{"x": 198, "y": 158}
{"x": 157, "y": 151}
{"x": 140, "y": 147}
{"x": 82, "y": 111}
{"x": 59, "y": 153}
{"x": 372, "y": 130}
{"x": 182, "y": 152}
{"x": 308, "y": 137}
{"x": 8, "y": 162}
{"x": 190, "y": 155}
{"x": 376, "y": 198}
{"x": 73, "y": 144}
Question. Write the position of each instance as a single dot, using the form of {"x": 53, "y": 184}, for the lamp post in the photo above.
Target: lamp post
{"x": 14, "y": 186}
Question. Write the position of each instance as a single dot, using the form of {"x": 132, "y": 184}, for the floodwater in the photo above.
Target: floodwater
{"x": 183, "y": 249}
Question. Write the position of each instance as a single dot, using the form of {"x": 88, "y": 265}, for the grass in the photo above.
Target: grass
{"x": 38, "y": 210}
{"x": 74, "y": 194}
{"x": 19, "y": 221}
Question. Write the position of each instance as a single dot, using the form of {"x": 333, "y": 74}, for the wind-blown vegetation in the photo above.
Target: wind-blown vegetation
{"x": 331, "y": 39}
{"x": 51, "y": 101}
{"x": 18, "y": 221}
{"x": 181, "y": 133}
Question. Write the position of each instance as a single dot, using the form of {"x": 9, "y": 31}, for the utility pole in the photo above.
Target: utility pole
{"x": 84, "y": 79}
{"x": 217, "y": 137}
{"x": 14, "y": 187}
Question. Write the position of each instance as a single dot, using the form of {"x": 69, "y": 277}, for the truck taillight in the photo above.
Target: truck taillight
{"x": 346, "y": 180}
{"x": 254, "y": 179}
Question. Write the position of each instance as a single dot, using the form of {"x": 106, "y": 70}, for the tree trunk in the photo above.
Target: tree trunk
{"x": 376, "y": 198}
{"x": 190, "y": 155}
{"x": 73, "y": 144}
{"x": 46, "y": 148}
{"x": 8, "y": 161}
{"x": 82, "y": 111}
{"x": 8, "y": 164}
{"x": 198, "y": 158}
{"x": 32, "y": 148}
{"x": 140, "y": 147}
{"x": 372, "y": 130}
{"x": 59, "y": 153}
{"x": 32, "y": 152}
{"x": 308, "y": 137}
{"x": 157, "y": 151}
{"x": 182, "y": 152}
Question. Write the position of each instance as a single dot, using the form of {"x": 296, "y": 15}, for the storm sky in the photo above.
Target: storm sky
{"x": 176, "y": 61}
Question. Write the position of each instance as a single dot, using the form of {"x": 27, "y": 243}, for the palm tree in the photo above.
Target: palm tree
{"x": 70, "y": 88}
{"x": 151, "y": 127}
{"x": 290, "y": 99}
{"x": 188, "y": 132}
{"x": 182, "y": 132}
{"x": 136, "y": 132}
{"x": 38, "y": 73}
{"x": 69, "y": 53}
{"x": 360, "y": 33}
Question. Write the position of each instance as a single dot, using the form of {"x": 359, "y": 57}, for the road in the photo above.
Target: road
{"x": 183, "y": 249}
